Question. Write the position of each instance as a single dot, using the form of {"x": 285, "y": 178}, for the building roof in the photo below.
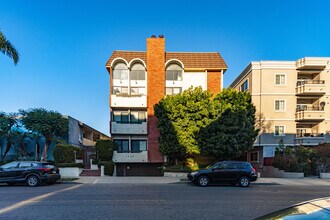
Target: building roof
{"x": 200, "y": 60}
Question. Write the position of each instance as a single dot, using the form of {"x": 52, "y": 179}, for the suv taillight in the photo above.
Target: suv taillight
{"x": 254, "y": 170}
{"x": 45, "y": 170}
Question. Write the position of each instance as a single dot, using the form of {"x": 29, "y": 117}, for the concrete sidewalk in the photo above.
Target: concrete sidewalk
{"x": 168, "y": 180}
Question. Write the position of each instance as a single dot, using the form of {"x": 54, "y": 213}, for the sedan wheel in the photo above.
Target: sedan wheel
{"x": 33, "y": 180}
{"x": 244, "y": 181}
{"x": 203, "y": 181}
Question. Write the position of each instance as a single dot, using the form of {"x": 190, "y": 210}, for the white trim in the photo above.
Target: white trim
{"x": 285, "y": 79}
{"x": 137, "y": 59}
{"x": 116, "y": 60}
{"x": 284, "y": 110}
{"x": 174, "y": 60}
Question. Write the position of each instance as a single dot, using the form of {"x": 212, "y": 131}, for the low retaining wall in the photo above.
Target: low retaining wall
{"x": 270, "y": 171}
{"x": 174, "y": 174}
{"x": 70, "y": 171}
{"x": 325, "y": 175}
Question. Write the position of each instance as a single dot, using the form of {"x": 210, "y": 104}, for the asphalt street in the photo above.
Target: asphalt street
{"x": 150, "y": 201}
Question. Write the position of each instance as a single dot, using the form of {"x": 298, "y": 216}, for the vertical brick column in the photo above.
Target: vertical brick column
{"x": 213, "y": 81}
{"x": 156, "y": 91}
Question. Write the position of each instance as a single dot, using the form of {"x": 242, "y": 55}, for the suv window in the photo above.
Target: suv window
{"x": 25, "y": 164}
{"x": 10, "y": 165}
{"x": 220, "y": 166}
{"x": 240, "y": 166}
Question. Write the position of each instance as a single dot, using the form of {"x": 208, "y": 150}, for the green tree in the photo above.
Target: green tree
{"x": 232, "y": 132}
{"x": 104, "y": 150}
{"x": 8, "y": 49}
{"x": 7, "y": 122}
{"x": 180, "y": 118}
{"x": 49, "y": 124}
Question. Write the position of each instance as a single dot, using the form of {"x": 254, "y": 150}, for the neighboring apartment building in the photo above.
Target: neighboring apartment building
{"x": 292, "y": 101}
{"x": 79, "y": 134}
{"x": 138, "y": 81}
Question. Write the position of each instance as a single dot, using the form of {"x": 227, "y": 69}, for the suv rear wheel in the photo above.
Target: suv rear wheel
{"x": 33, "y": 180}
{"x": 203, "y": 181}
{"x": 244, "y": 181}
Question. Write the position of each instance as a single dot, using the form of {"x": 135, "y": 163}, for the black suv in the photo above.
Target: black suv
{"x": 231, "y": 172}
{"x": 31, "y": 172}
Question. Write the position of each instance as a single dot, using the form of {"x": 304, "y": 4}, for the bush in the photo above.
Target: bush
{"x": 108, "y": 167}
{"x": 296, "y": 159}
{"x": 80, "y": 165}
{"x": 65, "y": 153}
{"x": 104, "y": 150}
{"x": 323, "y": 158}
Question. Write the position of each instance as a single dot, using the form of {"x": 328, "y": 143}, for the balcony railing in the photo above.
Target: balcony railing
{"x": 300, "y": 83}
{"x": 309, "y": 139}
{"x": 310, "y": 108}
{"x": 119, "y": 128}
{"x": 310, "y": 135}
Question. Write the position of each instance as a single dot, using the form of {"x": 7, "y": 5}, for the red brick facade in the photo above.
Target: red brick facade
{"x": 156, "y": 91}
{"x": 214, "y": 82}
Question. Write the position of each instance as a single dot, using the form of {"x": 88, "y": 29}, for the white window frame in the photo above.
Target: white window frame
{"x": 285, "y": 78}
{"x": 284, "y": 107}
{"x": 279, "y": 134}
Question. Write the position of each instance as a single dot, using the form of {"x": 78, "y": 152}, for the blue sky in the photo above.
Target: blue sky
{"x": 64, "y": 45}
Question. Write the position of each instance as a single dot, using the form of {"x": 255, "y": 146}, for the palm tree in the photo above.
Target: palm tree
{"x": 8, "y": 49}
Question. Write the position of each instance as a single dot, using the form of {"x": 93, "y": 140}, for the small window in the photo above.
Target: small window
{"x": 138, "y": 146}
{"x": 174, "y": 72}
{"x": 120, "y": 90}
{"x": 279, "y": 105}
{"x": 280, "y": 79}
{"x": 279, "y": 131}
{"x": 254, "y": 156}
{"x": 244, "y": 86}
{"x": 120, "y": 117}
{"x": 120, "y": 72}
{"x": 121, "y": 145}
{"x": 172, "y": 90}
{"x": 138, "y": 117}
{"x": 137, "y": 72}
{"x": 10, "y": 165}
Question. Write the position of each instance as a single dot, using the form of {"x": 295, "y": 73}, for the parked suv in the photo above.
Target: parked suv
{"x": 31, "y": 172}
{"x": 231, "y": 172}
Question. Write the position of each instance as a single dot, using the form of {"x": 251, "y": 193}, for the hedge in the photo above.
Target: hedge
{"x": 104, "y": 150}
{"x": 65, "y": 153}
{"x": 80, "y": 165}
{"x": 108, "y": 167}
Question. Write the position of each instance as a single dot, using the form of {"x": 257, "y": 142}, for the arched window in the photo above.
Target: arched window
{"x": 174, "y": 72}
{"x": 120, "y": 72}
{"x": 137, "y": 72}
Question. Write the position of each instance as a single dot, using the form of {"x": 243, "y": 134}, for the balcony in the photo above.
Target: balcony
{"x": 130, "y": 157}
{"x": 310, "y": 114}
{"x": 119, "y": 128}
{"x": 312, "y": 63}
{"x": 311, "y": 87}
{"x": 128, "y": 101}
{"x": 309, "y": 139}
{"x": 88, "y": 142}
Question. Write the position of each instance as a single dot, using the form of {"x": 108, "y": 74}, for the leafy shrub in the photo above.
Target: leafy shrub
{"x": 80, "y": 165}
{"x": 295, "y": 159}
{"x": 104, "y": 150}
{"x": 323, "y": 158}
{"x": 64, "y": 153}
{"x": 108, "y": 167}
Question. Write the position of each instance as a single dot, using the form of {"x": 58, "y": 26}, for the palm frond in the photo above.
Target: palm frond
{"x": 8, "y": 49}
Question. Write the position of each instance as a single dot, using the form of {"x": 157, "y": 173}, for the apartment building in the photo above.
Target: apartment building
{"x": 138, "y": 81}
{"x": 292, "y": 101}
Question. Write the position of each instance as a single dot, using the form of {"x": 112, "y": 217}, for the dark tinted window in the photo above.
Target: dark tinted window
{"x": 25, "y": 164}
{"x": 10, "y": 165}
{"x": 220, "y": 166}
{"x": 239, "y": 166}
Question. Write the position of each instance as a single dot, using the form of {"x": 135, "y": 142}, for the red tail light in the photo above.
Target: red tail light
{"x": 254, "y": 170}
{"x": 45, "y": 170}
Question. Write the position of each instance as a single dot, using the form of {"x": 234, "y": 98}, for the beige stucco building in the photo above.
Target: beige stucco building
{"x": 292, "y": 100}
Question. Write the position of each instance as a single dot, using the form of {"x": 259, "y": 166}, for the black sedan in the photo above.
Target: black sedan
{"x": 31, "y": 172}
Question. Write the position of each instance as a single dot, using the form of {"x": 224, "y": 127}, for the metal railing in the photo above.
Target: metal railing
{"x": 310, "y": 108}
{"x": 309, "y": 135}
{"x": 300, "y": 83}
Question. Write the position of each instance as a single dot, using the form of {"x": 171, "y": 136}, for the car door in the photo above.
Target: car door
{"x": 220, "y": 172}
{"x": 7, "y": 171}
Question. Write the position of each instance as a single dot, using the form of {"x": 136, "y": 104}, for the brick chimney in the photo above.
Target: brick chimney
{"x": 156, "y": 91}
